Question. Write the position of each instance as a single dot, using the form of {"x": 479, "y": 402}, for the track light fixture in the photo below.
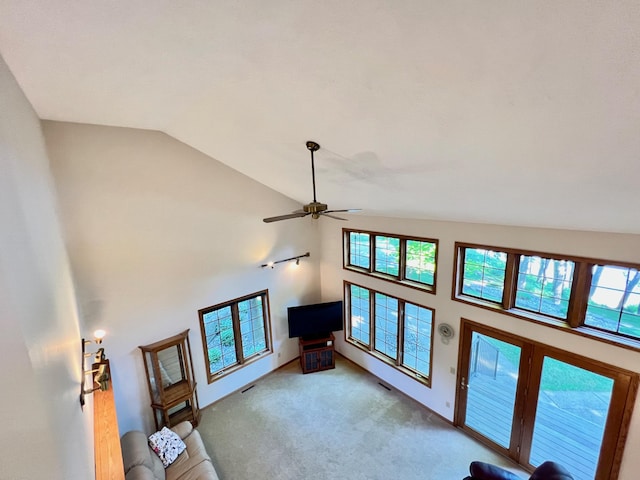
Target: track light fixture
{"x": 296, "y": 259}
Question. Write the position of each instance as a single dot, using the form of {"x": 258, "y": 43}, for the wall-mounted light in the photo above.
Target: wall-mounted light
{"x": 296, "y": 259}
{"x": 98, "y": 335}
{"x": 99, "y": 372}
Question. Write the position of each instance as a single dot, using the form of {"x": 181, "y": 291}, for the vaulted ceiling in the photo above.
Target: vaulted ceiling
{"x": 518, "y": 113}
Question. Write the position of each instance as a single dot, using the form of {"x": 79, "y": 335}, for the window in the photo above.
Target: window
{"x": 234, "y": 333}
{"x": 483, "y": 273}
{"x": 406, "y": 260}
{"x": 386, "y": 326}
{"x": 359, "y": 314}
{"x": 544, "y": 285}
{"x": 418, "y": 326}
{"x": 387, "y": 255}
{"x": 359, "y": 249}
{"x": 614, "y": 300}
{"x": 394, "y": 330}
{"x": 595, "y": 298}
{"x": 421, "y": 262}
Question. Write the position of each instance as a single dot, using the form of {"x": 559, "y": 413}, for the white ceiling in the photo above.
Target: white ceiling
{"x": 507, "y": 112}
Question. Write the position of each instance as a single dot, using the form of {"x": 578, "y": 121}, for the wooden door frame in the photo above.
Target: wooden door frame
{"x": 529, "y": 375}
{"x": 466, "y": 331}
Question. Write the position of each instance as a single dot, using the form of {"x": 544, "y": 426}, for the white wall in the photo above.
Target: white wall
{"x": 45, "y": 434}
{"x": 157, "y": 230}
{"x": 445, "y": 357}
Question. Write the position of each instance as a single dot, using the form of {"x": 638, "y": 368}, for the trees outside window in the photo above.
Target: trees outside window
{"x": 359, "y": 326}
{"x": 614, "y": 300}
{"x": 420, "y": 265}
{"x": 416, "y": 342}
{"x": 406, "y": 260}
{"x": 393, "y": 330}
{"x": 386, "y": 325}
{"x": 360, "y": 249}
{"x": 483, "y": 273}
{"x": 234, "y": 333}
{"x": 544, "y": 285}
{"x": 593, "y": 296}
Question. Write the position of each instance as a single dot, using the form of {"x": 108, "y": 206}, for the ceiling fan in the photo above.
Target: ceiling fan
{"x": 315, "y": 208}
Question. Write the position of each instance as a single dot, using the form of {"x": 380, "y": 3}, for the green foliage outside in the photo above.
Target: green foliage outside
{"x": 544, "y": 286}
{"x": 387, "y": 255}
{"x": 420, "y": 256}
{"x": 557, "y": 376}
{"x": 221, "y": 340}
{"x": 359, "y": 248}
{"x": 483, "y": 275}
{"x": 421, "y": 261}
{"x": 215, "y": 355}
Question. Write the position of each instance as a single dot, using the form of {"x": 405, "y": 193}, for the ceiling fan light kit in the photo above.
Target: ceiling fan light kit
{"x": 314, "y": 208}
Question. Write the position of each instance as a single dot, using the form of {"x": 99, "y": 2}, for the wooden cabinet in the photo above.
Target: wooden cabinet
{"x": 172, "y": 388}
{"x": 317, "y": 353}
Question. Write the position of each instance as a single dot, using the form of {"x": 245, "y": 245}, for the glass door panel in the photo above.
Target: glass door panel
{"x": 571, "y": 414}
{"x": 491, "y": 388}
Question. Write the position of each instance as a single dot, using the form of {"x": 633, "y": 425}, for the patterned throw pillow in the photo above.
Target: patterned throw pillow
{"x": 167, "y": 444}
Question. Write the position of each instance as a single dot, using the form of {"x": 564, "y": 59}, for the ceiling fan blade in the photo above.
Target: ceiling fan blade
{"x": 332, "y": 216}
{"x": 346, "y": 210}
{"x": 285, "y": 217}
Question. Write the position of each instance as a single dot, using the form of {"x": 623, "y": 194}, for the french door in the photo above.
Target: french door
{"x": 536, "y": 403}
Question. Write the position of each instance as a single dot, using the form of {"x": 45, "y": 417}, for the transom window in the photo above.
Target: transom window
{"x": 406, "y": 260}
{"x": 421, "y": 262}
{"x": 387, "y": 255}
{"x": 483, "y": 273}
{"x": 392, "y": 329}
{"x": 234, "y": 333}
{"x": 544, "y": 285}
{"x": 614, "y": 300}
{"x": 359, "y": 249}
{"x": 590, "y": 295}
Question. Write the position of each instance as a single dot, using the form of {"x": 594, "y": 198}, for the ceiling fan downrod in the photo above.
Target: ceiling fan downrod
{"x": 313, "y": 147}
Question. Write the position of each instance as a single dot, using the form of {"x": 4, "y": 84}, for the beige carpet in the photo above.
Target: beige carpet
{"x": 338, "y": 424}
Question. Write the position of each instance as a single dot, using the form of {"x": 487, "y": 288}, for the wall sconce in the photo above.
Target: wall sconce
{"x": 297, "y": 260}
{"x": 99, "y": 372}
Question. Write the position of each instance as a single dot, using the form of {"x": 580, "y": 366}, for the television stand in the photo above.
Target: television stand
{"x": 317, "y": 353}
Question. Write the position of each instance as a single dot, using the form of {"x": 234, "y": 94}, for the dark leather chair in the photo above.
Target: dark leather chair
{"x": 546, "y": 471}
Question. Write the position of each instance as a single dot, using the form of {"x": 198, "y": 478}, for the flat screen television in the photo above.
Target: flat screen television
{"x": 315, "y": 320}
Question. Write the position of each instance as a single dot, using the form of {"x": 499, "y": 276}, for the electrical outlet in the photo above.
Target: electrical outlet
{"x": 452, "y": 370}
{"x": 448, "y": 404}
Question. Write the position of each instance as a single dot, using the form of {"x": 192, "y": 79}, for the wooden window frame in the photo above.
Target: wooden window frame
{"x": 347, "y": 248}
{"x": 241, "y": 361}
{"x": 401, "y": 278}
{"x": 398, "y": 362}
{"x": 517, "y": 258}
{"x": 578, "y": 298}
{"x": 348, "y": 330}
{"x": 508, "y": 267}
